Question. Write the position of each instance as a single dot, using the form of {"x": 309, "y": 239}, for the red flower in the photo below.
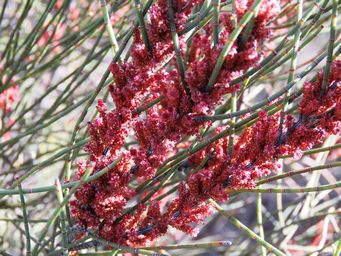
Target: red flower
{"x": 8, "y": 97}
{"x": 158, "y": 131}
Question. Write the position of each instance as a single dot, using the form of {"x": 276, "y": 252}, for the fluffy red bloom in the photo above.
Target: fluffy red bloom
{"x": 158, "y": 131}
{"x": 313, "y": 101}
{"x": 257, "y": 149}
{"x": 267, "y": 10}
{"x": 104, "y": 198}
{"x": 107, "y": 131}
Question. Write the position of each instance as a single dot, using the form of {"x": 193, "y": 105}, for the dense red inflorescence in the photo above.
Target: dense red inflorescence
{"x": 101, "y": 203}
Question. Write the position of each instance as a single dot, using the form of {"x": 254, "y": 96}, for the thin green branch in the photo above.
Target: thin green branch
{"x": 316, "y": 150}
{"x": 216, "y": 11}
{"x": 110, "y": 30}
{"x": 25, "y": 219}
{"x": 293, "y": 190}
{"x": 4, "y": 192}
{"x": 205, "y": 8}
{"x": 338, "y": 249}
{"x": 293, "y": 65}
{"x": 60, "y": 198}
{"x": 232, "y": 124}
{"x": 175, "y": 38}
{"x": 205, "y": 245}
{"x": 232, "y": 38}
{"x": 142, "y": 24}
{"x": 292, "y": 173}
{"x": 248, "y": 231}
{"x": 59, "y": 209}
{"x": 122, "y": 247}
{"x": 331, "y": 45}
{"x": 260, "y": 221}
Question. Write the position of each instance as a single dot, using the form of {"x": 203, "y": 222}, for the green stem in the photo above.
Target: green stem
{"x": 29, "y": 40}
{"x": 142, "y": 24}
{"x": 245, "y": 229}
{"x": 122, "y": 247}
{"x": 59, "y": 209}
{"x": 316, "y": 150}
{"x": 144, "y": 107}
{"x": 232, "y": 38}
{"x": 60, "y": 198}
{"x": 4, "y": 192}
{"x": 338, "y": 249}
{"x": 292, "y": 65}
{"x": 216, "y": 10}
{"x": 206, "y": 245}
{"x": 331, "y": 46}
{"x": 110, "y": 30}
{"x": 292, "y": 173}
{"x": 25, "y": 219}
{"x": 232, "y": 124}
{"x": 293, "y": 190}
{"x": 46, "y": 163}
{"x": 175, "y": 38}
{"x": 205, "y": 8}
{"x": 260, "y": 221}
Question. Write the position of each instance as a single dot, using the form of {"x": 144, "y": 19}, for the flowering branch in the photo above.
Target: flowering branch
{"x": 200, "y": 103}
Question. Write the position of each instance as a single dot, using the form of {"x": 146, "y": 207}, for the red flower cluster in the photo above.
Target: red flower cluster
{"x": 8, "y": 97}
{"x": 105, "y": 197}
{"x": 258, "y": 148}
{"x": 107, "y": 131}
{"x": 143, "y": 79}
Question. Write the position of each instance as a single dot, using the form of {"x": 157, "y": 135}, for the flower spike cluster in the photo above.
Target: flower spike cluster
{"x": 256, "y": 152}
{"x": 101, "y": 203}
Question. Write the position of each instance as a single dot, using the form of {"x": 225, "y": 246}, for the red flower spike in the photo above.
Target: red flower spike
{"x": 160, "y": 129}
